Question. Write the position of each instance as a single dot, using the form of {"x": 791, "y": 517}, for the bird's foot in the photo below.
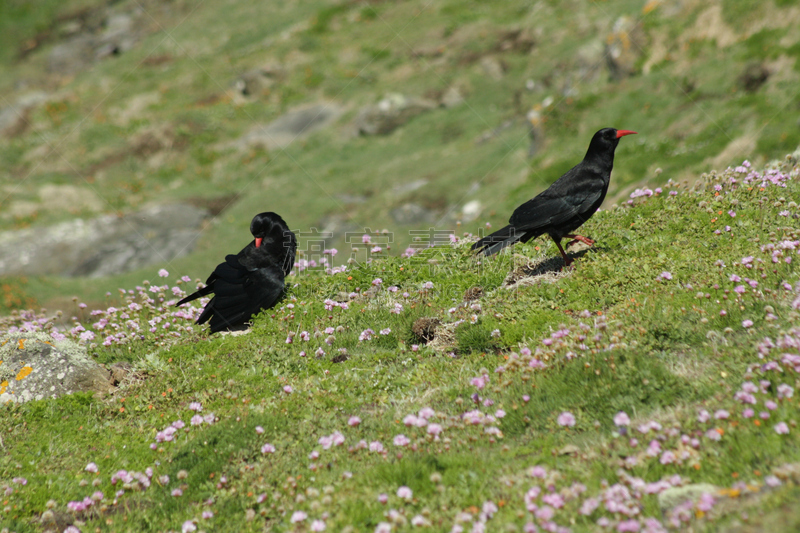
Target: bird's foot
{"x": 579, "y": 238}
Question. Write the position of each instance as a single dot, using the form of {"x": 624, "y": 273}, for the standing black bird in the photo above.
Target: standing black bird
{"x": 252, "y": 280}
{"x": 566, "y": 204}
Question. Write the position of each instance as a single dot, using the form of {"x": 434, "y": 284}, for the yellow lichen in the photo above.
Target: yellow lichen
{"x": 26, "y": 370}
{"x": 3, "y": 386}
{"x": 22, "y": 344}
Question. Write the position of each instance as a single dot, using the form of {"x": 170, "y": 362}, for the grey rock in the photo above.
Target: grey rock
{"x": 493, "y": 67}
{"x": 624, "y": 46}
{"x": 72, "y": 55}
{"x": 390, "y": 113}
{"x": 259, "y": 81}
{"x": 35, "y": 367}
{"x": 410, "y": 213}
{"x": 674, "y": 496}
{"x": 14, "y": 118}
{"x": 104, "y": 245}
{"x": 295, "y": 124}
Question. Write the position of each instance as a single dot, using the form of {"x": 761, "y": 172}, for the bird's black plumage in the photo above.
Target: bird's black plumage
{"x": 566, "y": 204}
{"x": 252, "y": 280}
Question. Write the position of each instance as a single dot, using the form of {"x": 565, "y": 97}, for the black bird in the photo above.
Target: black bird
{"x": 252, "y": 280}
{"x": 566, "y": 204}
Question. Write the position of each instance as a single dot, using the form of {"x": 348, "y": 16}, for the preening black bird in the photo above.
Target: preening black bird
{"x": 566, "y": 204}
{"x": 252, "y": 280}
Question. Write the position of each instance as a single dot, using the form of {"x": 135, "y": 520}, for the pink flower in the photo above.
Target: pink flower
{"x": 401, "y": 440}
{"x": 781, "y": 428}
{"x": 621, "y": 419}
{"x": 404, "y": 492}
{"x": 188, "y": 526}
{"x": 434, "y": 429}
{"x": 91, "y": 467}
{"x": 163, "y": 273}
{"x": 375, "y": 446}
{"x": 377, "y": 281}
{"x": 353, "y": 421}
{"x": 747, "y": 323}
{"x": 566, "y": 419}
{"x": 383, "y": 497}
{"x": 259, "y": 430}
{"x": 287, "y": 389}
{"x": 317, "y": 525}
{"x": 298, "y": 516}
{"x": 666, "y": 275}
{"x": 268, "y": 448}
{"x": 195, "y": 406}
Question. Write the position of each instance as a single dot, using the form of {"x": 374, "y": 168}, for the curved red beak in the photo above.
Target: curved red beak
{"x": 623, "y": 133}
{"x": 258, "y": 241}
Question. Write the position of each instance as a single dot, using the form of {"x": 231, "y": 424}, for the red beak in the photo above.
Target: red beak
{"x": 258, "y": 241}
{"x": 623, "y": 133}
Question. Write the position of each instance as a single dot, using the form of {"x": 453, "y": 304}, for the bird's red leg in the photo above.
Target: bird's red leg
{"x": 579, "y": 238}
{"x": 567, "y": 260}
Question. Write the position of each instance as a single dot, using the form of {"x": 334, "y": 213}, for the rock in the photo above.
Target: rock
{"x": 295, "y": 124}
{"x": 390, "y": 113}
{"x": 259, "y": 81}
{"x": 14, "y": 119}
{"x": 471, "y": 210}
{"x": 412, "y": 214}
{"x": 34, "y": 367}
{"x": 72, "y": 55}
{"x": 452, "y": 97}
{"x": 674, "y": 496}
{"x": 119, "y": 32}
{"x": 104, "y": 245}
{"x": 624, "y": 47}
{"x": 493, "y": 67}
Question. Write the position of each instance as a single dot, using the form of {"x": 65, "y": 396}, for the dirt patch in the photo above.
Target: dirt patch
{"x": 425, "y": 328}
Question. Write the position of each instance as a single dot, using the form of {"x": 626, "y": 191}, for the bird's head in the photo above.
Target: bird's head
{"x": 606, "y": 141}
{"x": 267, "y": 225}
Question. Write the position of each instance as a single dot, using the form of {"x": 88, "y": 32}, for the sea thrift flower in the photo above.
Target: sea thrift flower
{"x": 195, "y": 406}
{"x": 404, "y": 492}
{"x": 666, "y": 275}
{"x": 781, "y": 428}
{"x": 268, "y": 448}
{"x": 91, "y": 467}
{"x": 353, "y": 421}
{"x": 287, "y": 389}
{"x": 317, "y": 525}
{"x": 163, "y": 273}
{"x": 566, "y": 419}
{"x": 401, "y": 440}
{"x": 622, "y": 419}
{"x": 298, "y": 516}
{"x": 747, "y": 323}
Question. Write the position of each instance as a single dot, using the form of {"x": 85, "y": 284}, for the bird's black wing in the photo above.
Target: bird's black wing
{"x": 290, "y": 249}
{"x": 571, "y": 195}
{"x": 205, "y": 291}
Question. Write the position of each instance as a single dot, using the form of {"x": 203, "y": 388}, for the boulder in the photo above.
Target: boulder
{"x": 102, "y": 246}
{"x": 390, "y": 113}
{"x": 33, "y": 366}
{"x": 293, "y": 125}
{"x": 624, "y": 46}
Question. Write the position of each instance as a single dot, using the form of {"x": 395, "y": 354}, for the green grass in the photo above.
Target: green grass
{"x": 613, "y": 335}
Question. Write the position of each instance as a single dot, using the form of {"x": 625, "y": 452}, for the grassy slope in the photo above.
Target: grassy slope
{"x": 655, "y": 348}
{"x": 688, "y": 108}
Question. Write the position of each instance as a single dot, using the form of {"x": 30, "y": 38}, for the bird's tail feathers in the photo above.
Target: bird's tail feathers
{"x": 491, "y": 244}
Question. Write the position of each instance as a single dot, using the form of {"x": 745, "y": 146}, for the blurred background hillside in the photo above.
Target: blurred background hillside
{"x": 136, "y": 135}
